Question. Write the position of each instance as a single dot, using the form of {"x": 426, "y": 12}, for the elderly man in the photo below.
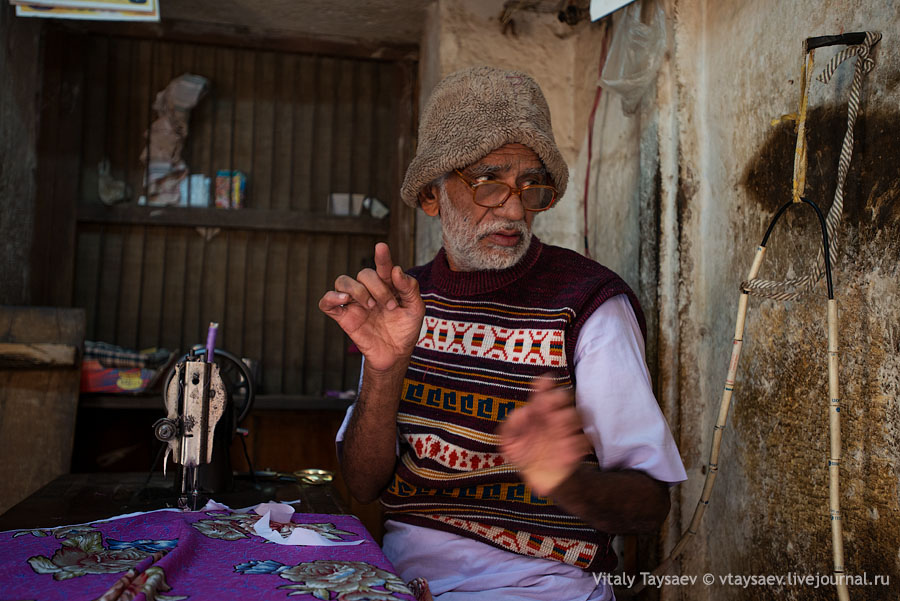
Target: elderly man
{"x": 505, "y": 415}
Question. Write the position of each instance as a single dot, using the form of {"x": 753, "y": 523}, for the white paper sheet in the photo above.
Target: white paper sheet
{"x": 298, "y": 536}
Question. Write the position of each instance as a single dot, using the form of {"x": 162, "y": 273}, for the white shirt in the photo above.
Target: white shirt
{"x": 615, "y": 400}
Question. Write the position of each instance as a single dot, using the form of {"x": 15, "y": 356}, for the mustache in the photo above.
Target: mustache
{"x": 492, "y": 228}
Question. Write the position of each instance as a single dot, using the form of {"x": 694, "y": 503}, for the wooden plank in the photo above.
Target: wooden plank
{"x": 211, "y": 287}
{"x": 222, "y": 138}
{"x": 152, "y": 287}
{"x": 243, "y": 124}
{"x": 403, "y": 217}
{"x": 231, "y": 330}
{"x": 335, "y": 347}
{"x": 88, "y": 260}
{"x": 193, "y": 298}
{"x": 140, "y": 112}
{"x": 49, "y": 163}
{"x": 132, "y": 267}
{"x": 323, "y": 136}
{"x": 158, "y": 75}
{"x": 96, "y": 105}
{"x": 296, "y": 304}
{"x": 203, "y": 117}
{"x": 304, "y": 119}
{"x": 41, "y": 324}
{"x": 243, "y": 219}
{"x": 377, "y": 117}
{"x": 362, "y": 255}
{"x": 53, "y": 242}
{"x": 172, "y": 295}
{"x": 254, "y": 284}
{"x": 109, "y": 285}
{"x": 385, "y": 179}
{"x": 260, "y": 185}
{"x": 37, "y": 406}
{"x": 363, "y": 148}
{"x": 282, "y": 132}
{"x": 69, "y": 170}
{"x": 119, "y": 112}
{"x": 342, "y": 128}
{"x": 321, "y": 248}
{"x": 18, "y": 354}
{"x": 275, "y": 311}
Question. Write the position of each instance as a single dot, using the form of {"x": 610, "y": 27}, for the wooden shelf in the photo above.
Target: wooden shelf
{"x": 240, "y": 219}
{"x": 277, "y": 402}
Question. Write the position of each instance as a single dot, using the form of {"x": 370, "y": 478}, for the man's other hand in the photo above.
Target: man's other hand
{"x": 380, "y": 310}
{"x": 544, "y": 439}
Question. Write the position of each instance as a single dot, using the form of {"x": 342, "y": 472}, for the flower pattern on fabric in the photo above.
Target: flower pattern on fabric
{"x": 348, "y": 580}
{"x": 150, "y": 582}
{"x": 82, "y": 552}
{"x": 240, "y": 525}
{"x": 160, "y": 556}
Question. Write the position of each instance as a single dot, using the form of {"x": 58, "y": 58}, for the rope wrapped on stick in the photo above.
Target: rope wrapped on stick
{"x": 791, "y": 289}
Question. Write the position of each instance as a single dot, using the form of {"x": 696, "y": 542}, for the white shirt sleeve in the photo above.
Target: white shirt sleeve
{"x": 339, "y": 437}
{"x": 615, "y": 399}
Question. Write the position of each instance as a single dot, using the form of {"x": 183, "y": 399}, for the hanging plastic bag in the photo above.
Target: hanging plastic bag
{"x": 635, "y": 54}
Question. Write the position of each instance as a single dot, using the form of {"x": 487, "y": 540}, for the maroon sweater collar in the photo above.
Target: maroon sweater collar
{"x": 469, "y": 283}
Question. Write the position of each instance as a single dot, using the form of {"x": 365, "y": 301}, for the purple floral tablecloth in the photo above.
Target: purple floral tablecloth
{"x": 214, "y": 554}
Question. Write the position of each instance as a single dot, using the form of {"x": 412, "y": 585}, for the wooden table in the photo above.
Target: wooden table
{"x": 78, "y": 498}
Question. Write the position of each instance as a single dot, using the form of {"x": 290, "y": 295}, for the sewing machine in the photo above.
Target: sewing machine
{"x": 207, "y": 394}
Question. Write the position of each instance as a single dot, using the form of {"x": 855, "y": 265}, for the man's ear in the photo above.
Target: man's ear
{"x": 428, "y": 200}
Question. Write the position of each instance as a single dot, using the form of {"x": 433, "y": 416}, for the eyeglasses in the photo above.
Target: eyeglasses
{"x": 492, "y": 194}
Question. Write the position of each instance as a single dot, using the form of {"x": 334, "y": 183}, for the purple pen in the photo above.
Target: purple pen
{"x": 211, "y": 341}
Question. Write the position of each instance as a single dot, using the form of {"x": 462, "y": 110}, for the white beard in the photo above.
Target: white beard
{"x": 462, "y": 240}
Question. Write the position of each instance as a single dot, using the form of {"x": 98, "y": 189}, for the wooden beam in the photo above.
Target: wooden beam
{"x": 242, "y": 36}
{"x": 18, "y": 354}
{"x": 239, "y": 219}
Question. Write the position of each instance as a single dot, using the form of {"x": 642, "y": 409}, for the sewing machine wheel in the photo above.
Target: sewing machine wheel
{"x": 235, "y": 375}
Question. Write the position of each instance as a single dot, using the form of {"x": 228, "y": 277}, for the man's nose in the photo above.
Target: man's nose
{"x": 512, "y": 208}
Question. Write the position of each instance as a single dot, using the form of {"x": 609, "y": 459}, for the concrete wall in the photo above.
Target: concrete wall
{"x": 681, "y": 194}
{"x": 19, "y": 101}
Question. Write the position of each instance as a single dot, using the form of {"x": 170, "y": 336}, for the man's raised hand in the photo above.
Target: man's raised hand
{"x": 380, "y": 310}
{"x": 544, "y": 439}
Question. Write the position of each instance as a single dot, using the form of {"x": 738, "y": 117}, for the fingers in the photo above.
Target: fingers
{"x": 382, "y": 292}
{"x": 383, "y": 262}
{"x": 406, "y": 286}
{"x": 355, "y": 290}
{"x": 546, "y": 397}
{"x": 547, "y": 424}
{"x": 333, "y": 302}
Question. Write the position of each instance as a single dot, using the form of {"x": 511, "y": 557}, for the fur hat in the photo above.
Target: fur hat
{"x": 473, "y": 112}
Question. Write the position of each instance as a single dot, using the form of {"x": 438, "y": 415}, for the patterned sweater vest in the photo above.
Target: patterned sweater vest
{"x": 484, "y": 338}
